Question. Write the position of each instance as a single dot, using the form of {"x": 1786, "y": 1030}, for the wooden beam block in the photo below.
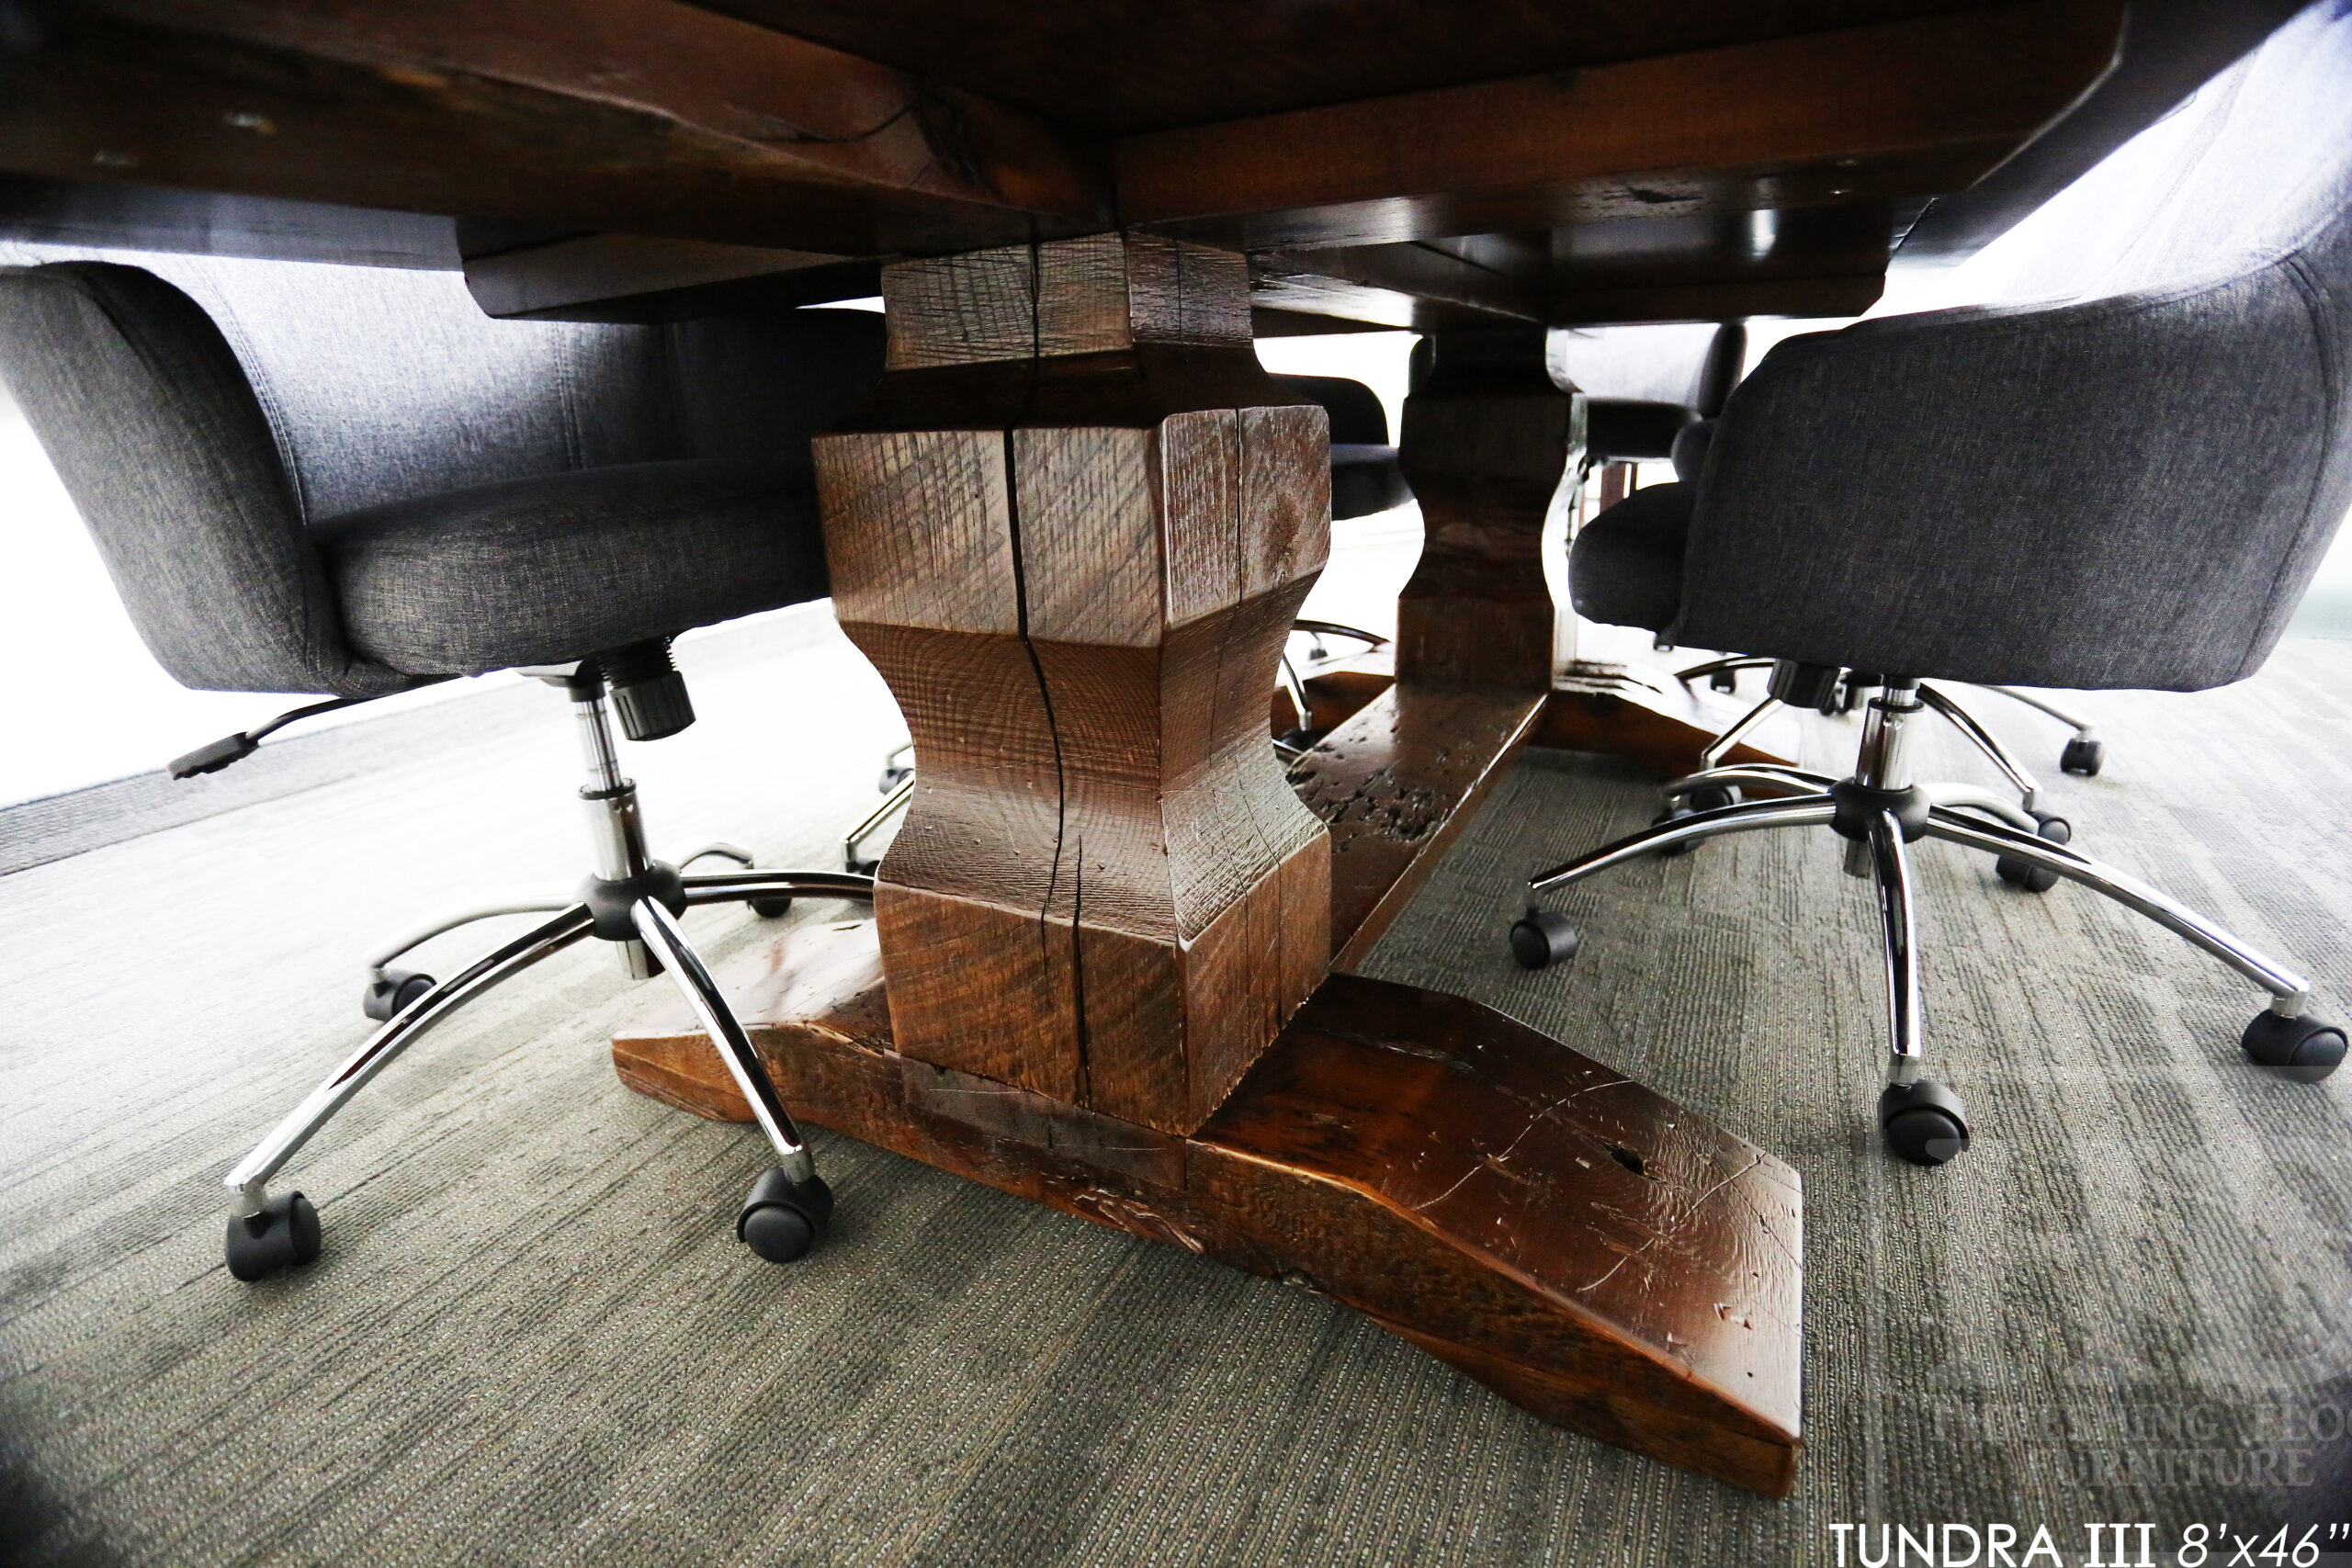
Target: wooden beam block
{"x": 1071, "y": 531}
{"x": 1908, "y": 108}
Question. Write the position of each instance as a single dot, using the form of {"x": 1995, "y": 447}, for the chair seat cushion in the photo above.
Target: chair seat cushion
{"x": 1365, "y": 479}
{"x": 1626, "y": 567}
{"x": 547, "y": 569}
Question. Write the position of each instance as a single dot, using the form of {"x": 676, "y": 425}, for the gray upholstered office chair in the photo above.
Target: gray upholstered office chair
{"x": 2128, "y": 488}
{"x": 1645, "y": 385}
{"x": 1844, "y": 691}
{"x": 347, "y": 481}
{"x": 1657, "y": 394}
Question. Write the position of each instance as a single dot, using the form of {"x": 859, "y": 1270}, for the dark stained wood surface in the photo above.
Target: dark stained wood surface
{"x": 1488, "y": 438}
{"x": 1900, "y": 109}
{"x": 1394, "y": 783}
{"x": 631, "y": 278}
{"x": 1072, "y": 531}
{"x": 1590, "y": 1250}
{"x": 1350, "y": 128}
{"x": 1829, "y": 260}
{"x": 1132, "y": 65}
{"x": 645, "y": 116}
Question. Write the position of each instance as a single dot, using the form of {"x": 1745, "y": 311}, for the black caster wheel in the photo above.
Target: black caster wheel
{"x": 1541, "y": 937}
{"x": 1674, "y": 814}
{"x": 2303, "y": 1049}
{"x": 770, "y": 908}
{"x": 2084, "y": 757}
{"x": 1724, "y": 680}
{"x": 285, "y": 1233}
{"x": 2036, "y": 878}
{"x": 1711, "y": 797}
{"x": 783, "y": 1219}
{"x": 1924, "y": 1123}
{"x": 857, "y": 867}
{"x": 393, "y": 992}
{"x": 892, "y": 778}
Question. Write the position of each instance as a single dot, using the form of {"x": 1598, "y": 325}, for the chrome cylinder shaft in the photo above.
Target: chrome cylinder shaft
{"x": 1891, "y": 869}
{"x": 1885, "y": 760}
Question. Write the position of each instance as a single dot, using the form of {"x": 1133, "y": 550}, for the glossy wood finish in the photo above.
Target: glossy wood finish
{"x": 1072, "y": 531}
{"x": 1487, "y": 439}
{"x": 648, "y": 116}
{"x": 1550, "y": 1228}
{"x": 1827, "y": 260}
{"x": 661, "y": 118}
{"x": 1135, "y": 65}
{"x": 1899, "y": 109}
{"x": 1639, "y": 713}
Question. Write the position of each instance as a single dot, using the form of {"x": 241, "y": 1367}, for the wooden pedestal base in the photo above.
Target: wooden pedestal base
{"x": 1548, "y": 1227}
{"x": 1108, "y": 925}
{"x": 1543, "y": 1224}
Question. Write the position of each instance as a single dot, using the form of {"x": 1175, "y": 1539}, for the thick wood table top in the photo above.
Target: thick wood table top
{"x": 1384, "y": 162}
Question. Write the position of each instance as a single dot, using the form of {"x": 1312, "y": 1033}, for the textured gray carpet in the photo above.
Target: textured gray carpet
{"x": 532, "y": 1338}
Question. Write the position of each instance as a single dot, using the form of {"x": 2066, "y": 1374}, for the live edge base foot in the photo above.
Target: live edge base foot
{"x": 1548, "y": 1227}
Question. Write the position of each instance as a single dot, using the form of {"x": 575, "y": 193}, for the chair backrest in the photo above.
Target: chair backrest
{"x": 1690, "y": 367}
{"x": 2131, "y": 488}
{"x": 204, "y": 411}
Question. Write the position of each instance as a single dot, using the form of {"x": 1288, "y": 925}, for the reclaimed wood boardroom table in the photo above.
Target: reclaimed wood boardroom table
{"x": 1109, "y": 967}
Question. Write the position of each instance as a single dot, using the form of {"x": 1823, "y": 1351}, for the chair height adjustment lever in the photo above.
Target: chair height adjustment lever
{"x": 212, "y": 758}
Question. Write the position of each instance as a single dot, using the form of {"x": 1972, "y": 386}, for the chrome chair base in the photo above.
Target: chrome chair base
{"x": 2085, "y": 753}
{"x": 633, "y": 901}
{"x": 1879, "y": 812}
{"x": 1715, "y": 783}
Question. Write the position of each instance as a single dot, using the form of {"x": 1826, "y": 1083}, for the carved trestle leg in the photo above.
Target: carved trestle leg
{"x": 1072, "y": 530}
{"x": 1489, "y": 437}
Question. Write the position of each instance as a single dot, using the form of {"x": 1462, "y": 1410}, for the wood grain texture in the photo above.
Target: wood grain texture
{"x": 1127, "y": 65}
{"x": 1902, "y": 108}
{"x": 1487, "y": 440}
{"x": 1829, "y": 259}
{"x": 649, "y": 115}
{"x": 1394, "y": 783}
{"x": 1071, "y": 531}
{"x": 1590, "y": 1250}
{"x": 1098, "y": 294}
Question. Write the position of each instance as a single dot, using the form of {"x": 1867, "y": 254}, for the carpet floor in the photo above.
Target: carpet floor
{"x": 532, "y": 1337}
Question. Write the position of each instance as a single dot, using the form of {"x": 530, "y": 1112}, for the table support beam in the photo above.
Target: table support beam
{"x": 1071, "y": 530}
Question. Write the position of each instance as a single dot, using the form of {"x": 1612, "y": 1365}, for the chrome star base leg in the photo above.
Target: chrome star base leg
{"x": 1716, "y": 784}
{"x": 632, "y": 901}
{"x": 2084, "y": 753}
{"x": 1880, "y": 813}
